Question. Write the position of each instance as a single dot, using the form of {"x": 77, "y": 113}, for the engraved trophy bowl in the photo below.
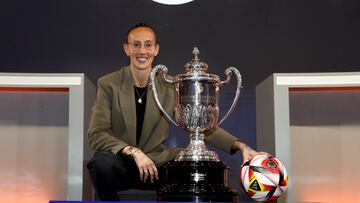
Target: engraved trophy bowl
{"x": 197, "y": 109}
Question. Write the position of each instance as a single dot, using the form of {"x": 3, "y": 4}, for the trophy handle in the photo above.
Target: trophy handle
{"x": 163, "y": 72}
{"x": 228, "y": 72}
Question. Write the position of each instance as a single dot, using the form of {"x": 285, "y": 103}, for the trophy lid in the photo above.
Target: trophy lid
{"x": 197, "y": 70}
{"x": 195, "y": 66}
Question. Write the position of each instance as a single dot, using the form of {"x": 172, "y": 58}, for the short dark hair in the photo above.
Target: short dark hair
{"x": 139, "y": 25}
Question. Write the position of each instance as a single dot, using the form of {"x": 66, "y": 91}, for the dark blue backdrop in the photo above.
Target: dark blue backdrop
{"x": 259, "y": 37}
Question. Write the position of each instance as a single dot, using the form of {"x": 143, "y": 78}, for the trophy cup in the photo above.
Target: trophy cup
{"x": 196, "y": 173}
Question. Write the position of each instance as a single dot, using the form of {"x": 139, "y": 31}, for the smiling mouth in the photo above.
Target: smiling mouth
{"x": 141, "y": 59}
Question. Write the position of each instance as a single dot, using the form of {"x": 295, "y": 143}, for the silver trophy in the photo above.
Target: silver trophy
{"x": 197, "y": 109}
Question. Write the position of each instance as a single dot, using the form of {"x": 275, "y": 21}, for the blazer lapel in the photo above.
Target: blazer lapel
{"x": 152, "y": 113}
{"x": 127, "y": 105}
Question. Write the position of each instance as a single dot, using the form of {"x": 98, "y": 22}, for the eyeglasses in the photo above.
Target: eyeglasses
{"x": 136, "y": 45}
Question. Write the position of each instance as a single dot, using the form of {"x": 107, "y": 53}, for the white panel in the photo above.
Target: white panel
{"x": 314, "y": 80}
{"x": 33, "y": 144}
{"x": 324, "y": 133}
{"x": 325, "y": 163}
{"x": 314, "y": 133}
{"x": 39, "y": 80}
{"x": 69, "y": 157}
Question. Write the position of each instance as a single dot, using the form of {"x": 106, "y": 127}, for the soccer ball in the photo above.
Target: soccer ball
{"x": 264, "y": 178}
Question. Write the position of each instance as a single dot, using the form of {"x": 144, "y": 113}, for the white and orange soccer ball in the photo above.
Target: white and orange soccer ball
{"x": 264, "y": 178}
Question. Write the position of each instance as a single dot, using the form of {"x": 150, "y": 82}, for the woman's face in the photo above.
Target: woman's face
{"x": 141, "y": 48}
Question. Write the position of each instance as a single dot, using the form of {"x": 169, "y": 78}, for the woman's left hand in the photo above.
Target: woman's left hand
{"x": 247, "y": 152}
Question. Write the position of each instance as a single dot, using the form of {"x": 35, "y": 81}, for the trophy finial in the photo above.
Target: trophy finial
{"x": 195, "y": 65}
{"x": 196, "y": 53}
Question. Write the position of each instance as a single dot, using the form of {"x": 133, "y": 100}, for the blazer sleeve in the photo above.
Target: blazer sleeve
{"x": 100, "y": 135}
{"x": 221, "y": 139}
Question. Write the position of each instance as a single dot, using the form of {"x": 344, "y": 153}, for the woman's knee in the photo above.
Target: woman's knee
{"x": 102, "y": 163}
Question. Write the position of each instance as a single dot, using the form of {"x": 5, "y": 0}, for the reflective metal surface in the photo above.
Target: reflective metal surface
{"x": 197, "y": 109}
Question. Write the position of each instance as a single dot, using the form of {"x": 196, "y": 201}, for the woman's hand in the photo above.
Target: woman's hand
{"x": 247, "y": 152}
{"x": 146, "y": 166}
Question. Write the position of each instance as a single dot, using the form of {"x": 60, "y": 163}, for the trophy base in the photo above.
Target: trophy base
{"x": 201, "y": 181}
{"x": 196, "y": 150}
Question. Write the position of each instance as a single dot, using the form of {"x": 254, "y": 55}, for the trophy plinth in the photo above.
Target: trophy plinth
{"x": 196, "y": 172}
{"x": 202, "y": 181}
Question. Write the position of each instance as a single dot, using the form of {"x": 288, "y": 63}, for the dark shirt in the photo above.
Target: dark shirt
{"x": 140, "y": 102}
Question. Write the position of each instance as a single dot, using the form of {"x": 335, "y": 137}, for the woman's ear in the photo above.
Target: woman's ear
{"x": 126, "y": 49}
{"x": 157, "y": 49}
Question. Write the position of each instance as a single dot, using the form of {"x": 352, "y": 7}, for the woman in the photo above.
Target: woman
{"x": 127, "y": 129}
